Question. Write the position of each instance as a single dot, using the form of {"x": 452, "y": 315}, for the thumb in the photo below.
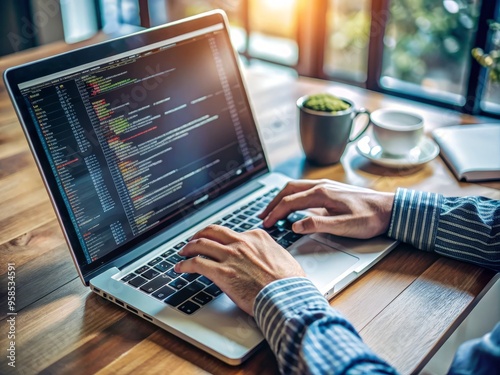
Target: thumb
{"x": 314, "y": 224}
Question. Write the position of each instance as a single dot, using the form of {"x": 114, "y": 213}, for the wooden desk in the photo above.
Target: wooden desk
{"x": 405, "y": 307}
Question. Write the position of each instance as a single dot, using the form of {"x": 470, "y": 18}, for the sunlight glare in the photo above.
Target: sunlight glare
{"x": 278, "y": 4}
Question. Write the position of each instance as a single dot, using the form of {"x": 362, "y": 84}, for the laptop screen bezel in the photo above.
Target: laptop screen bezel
{"x": 15, "y": 76}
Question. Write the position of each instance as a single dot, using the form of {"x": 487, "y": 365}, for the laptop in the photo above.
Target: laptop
{"x": 141, "y": 142}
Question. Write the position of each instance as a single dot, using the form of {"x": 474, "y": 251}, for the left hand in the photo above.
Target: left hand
{"x": 240, "y": 264}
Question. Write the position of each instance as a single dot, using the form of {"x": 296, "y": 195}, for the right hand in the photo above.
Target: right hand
{"x": 341, "y": 209}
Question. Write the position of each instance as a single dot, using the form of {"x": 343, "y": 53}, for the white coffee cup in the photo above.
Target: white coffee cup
{"x": 397, "y": 132}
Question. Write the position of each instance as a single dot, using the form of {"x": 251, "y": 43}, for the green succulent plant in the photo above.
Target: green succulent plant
{"x": 325, "y": 103}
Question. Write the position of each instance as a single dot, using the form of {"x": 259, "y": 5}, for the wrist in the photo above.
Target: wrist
{"x": 386, "y": 209}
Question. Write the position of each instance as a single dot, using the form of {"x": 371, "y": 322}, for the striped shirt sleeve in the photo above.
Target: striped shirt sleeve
{"x": 464, "y": 228}
{"x": 308, "y": 336}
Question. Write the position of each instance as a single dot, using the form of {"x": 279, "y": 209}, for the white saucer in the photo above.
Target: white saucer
{"x": 421, "y": 154}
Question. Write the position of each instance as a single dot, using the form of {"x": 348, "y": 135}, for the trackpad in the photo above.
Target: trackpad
{"x": 322, "y": 263}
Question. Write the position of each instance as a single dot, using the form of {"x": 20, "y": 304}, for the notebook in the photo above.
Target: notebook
{"x": 471, "y": 151}
{"x": 141, "y": 142}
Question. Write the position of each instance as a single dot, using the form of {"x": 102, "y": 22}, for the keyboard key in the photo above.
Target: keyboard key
{"x": 239, "y": 230}
{"x": 276, "y": 232}
{"x": 284, "y": 243}
{"x": 171, "y": 273}
{"x": 150, "y": 274}
{"x": 129, "y": 277}
{"x": 155, "y": 261}
{"x": 163, "y": 266}
{"x": 156, "y": 283}
{"x": 213, "y": 290}
{"x": 280, "y": 223}
{"x": 205, "y": 280}
{"x": 202, "y": 298}
{"x": 235, "y": 221}
{"x": 185, "y": 293}
{"x": 190, "y": 276}
{"x": 175, "y": 258}
{"x": 246, "y": 226}
{"x": 137, "y": 281}
{"x": 293, "y": 237}
{"x": 141, "y": 269}
{"x": 294, "y": 217}
{"x": 164, "y": 292}
{"x": 188, "y": 307}
{"x": 167, "y": 253}
{"x": 253, "y": 220}
{"x": 180, "y": 245}
{"x": 178, "y": 283}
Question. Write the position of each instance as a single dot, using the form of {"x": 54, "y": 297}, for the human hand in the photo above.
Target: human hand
{"x": 341, "y": 209}
{"x": 240, "y": 264}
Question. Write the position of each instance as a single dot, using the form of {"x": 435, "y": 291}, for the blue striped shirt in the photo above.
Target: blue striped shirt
{"x": 309, "y": 337}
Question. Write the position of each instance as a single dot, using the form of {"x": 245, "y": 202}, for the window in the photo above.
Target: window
{"x": 415, "y": 49}
{"x": 427, "y": 47}
{"x": 491, "y": 94}
{"x": 273, "y": 31}
{"x": 348, "y": 36}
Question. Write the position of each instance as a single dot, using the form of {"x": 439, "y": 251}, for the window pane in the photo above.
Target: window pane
{"x": 427, "y": 45}
{"x": 178, "y": 9}
{"x": 491, "y": 98}
{"x": 348, "y": 30}
{"x": 157, "y": 12}
{"x": 130, "y": 12}
{"x": 273, "y": 30}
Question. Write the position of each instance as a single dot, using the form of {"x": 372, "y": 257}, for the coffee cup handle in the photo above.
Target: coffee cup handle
{"x": 361, "y": 111}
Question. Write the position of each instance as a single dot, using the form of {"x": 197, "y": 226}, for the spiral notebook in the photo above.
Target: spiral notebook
{"x": 471, "y": 151}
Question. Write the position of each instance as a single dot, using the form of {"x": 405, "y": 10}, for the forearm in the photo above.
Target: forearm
{"x": 307, "y": 335}
{"x": 464, "y": 228}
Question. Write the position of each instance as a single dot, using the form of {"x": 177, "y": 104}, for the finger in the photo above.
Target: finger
{"x": 338, "y": 225}
{"x": 314, "y": 224}
{"x": 206, "y": 247}
{"x": 203, "y": 266}
{"x": 292, "y": 187}
{"x": 300, "y": 201}
{"x": 217, "y": 233}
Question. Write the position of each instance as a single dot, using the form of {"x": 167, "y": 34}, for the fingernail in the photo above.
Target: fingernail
{"x": 298, "y": 227}
{"x": 177, "y": 266}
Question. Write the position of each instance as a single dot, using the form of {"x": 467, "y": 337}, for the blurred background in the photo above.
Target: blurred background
{"x": 419, "y": 49}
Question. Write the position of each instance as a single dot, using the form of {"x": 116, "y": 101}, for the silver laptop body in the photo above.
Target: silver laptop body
{"x": 141, "y": 142}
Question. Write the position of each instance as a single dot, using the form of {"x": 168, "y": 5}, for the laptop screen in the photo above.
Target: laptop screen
{"x": 136, "y": 139}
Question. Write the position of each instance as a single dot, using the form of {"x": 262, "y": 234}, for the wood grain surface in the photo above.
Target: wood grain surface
{"x": 405, "y": 307}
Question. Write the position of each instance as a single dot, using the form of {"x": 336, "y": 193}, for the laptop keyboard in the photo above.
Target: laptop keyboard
{"x": 188, "y": 292}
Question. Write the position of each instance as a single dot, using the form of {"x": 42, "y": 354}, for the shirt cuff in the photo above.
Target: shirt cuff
{"x": 415, "y": 218}
{"x": 283, "y": 300}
